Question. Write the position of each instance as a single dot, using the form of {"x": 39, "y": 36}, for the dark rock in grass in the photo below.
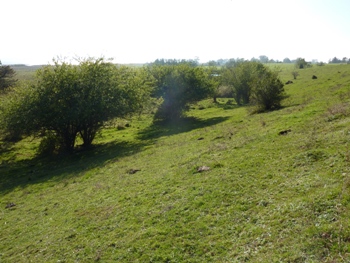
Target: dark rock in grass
{"x": 201, "y": 138}
{"x": 133, "y": 171}
{"x": 203, "y": 168}
{"x": 9, "y": 205}
{"x": 289, "y": 82}
{"x": 285, "y": 132}
{"x": 314, "y": 77}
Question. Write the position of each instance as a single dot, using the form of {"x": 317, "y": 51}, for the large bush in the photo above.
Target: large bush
{"x": 179, "y": 85}
{"x": 75, "y": 100}
{"x": 267, "y": 91}
{"x": 239, "y": 77}
{"x": 255, "y": 84}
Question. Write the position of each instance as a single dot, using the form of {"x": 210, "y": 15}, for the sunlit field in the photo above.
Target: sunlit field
{"x": 276, "y": 187}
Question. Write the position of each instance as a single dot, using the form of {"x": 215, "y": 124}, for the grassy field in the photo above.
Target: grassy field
{"x": 25, "y": 73}
{"x": 278, "y": 188}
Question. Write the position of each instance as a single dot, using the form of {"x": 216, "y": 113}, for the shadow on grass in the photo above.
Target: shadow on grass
{"x": 63, "y": 166}
{"x": 19, "y": 174}
{"x": 159, "y": 129}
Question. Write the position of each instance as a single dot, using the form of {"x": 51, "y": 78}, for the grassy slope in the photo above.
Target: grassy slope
{"x": 266, "y": 198}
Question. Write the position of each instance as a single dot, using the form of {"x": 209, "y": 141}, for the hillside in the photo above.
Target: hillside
{"x": 278, "y": 187}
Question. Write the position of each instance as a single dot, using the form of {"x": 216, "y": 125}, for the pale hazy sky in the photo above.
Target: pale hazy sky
{"x": 137, "y": 31}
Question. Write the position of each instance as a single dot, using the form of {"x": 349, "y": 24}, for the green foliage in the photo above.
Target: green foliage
{"x": 300, "y": 63}
{"x": 17, "y": 110}
{"x": 7, "y": 75}
{"x": 163, "y": 62}
{"x": 254, "y": 83}
{"x": 238, "y": 76}
{"x": 178, "y": 86}
{"x": 267, "y": 91}
{"x": 69, "y": 100}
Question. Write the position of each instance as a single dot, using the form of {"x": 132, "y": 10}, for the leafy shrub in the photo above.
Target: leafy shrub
{"x": 179, "y": 86}
{"x": 238, "y": 76}
{"x": 253, "y": 83}
{"x": 267, "y": 91}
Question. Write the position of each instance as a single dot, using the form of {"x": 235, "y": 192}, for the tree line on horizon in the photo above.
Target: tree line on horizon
{"x": 265, "y": 59}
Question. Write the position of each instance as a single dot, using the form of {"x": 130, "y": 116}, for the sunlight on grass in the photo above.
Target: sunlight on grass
{"x": 277, "y": 188}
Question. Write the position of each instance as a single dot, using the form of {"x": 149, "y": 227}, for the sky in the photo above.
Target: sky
{"x": 34, "y": 32}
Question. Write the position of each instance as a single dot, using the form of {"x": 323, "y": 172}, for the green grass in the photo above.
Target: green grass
{"x": 25, "y": 73}
{"x": 266, "y": 198}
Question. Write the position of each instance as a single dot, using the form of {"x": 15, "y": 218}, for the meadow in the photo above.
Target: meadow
{"x": 277, "y": 188}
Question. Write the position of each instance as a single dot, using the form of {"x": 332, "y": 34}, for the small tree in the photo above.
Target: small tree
{"x": 108, "y": 92}
{"x": 7, "y": 75}
{"x": 69, "y": 101}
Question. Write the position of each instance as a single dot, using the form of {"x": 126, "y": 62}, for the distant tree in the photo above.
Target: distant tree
{"x": 163, "y": 61}
{"x": 234, "y": 61}
{"x": 263, "y": 59}
{"x": 75, "y": 100}
{"x": 231, "y": 62}
{"x": 7, "y": 75}
{"x": 300, "y": 63}
{"x": 221, "y": 62}
{"x": 178, "y": 86}
{"x": 344, "y": 60}
{"x": 212, "y": 63}
{"x": 287, "y": 60}
{"x": 335, "y": 60}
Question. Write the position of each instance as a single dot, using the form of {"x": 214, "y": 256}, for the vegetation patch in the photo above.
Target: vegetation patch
{"x": 137, "y": 195}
